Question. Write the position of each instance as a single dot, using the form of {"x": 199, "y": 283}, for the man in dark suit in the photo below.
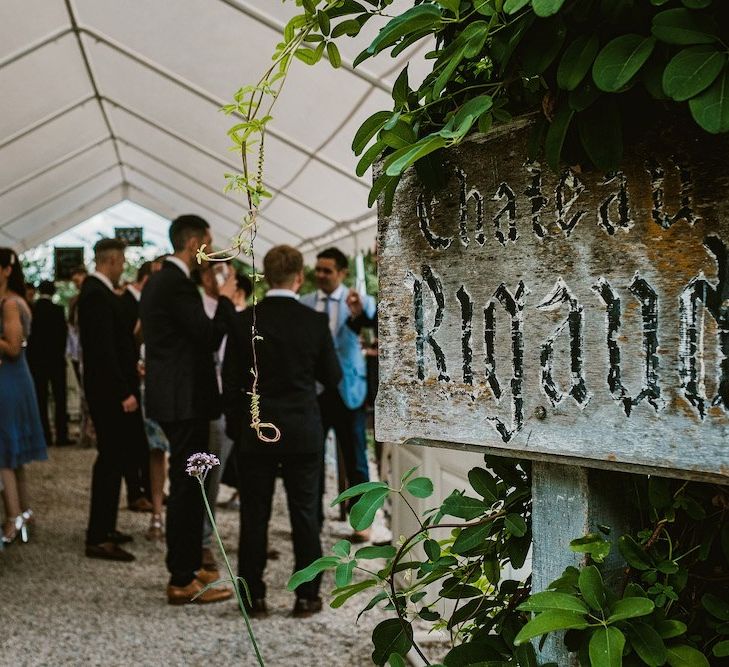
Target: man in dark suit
{"x": 182, "y": 395}
{"x": 136, "y": 470}
{"x": 112, "y": 390}
{"x": 294, "y": 352}
{"x": 47, "y": 360}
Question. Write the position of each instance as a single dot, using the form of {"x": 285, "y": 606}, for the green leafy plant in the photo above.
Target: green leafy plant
{"x": 668, "y": 605}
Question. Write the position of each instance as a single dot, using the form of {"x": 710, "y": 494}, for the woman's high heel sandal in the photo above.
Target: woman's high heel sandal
{"x": 19, "y": 528}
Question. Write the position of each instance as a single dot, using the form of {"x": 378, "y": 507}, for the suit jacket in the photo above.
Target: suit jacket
{"x": 295, "y": 352}
{"x": 48, "y": 334}
{"x": 131, "y": 308}
{"x": 353, "y": 386}
{"x": 107, "y": 346}
{"x": 179, "y": 341}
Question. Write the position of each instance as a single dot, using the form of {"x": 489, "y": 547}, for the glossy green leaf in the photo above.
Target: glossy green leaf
{"x": 592, "y": 587}
{"x": 401, "y": 88}
{"x": 391, "y": 636}
{"x": 415, "y": 18}
{"x": 364, "y": 510}
{"x": 685, "y": 656}
{"x": 383, "y": 551}
{"x": 341, "y": 595}
{"x": 710, "y": 109}
{"x": 396, "y": 660}
{"x": 470, "y": 112}
{"x": 483, "y": 483}
{"x": 526, "y": 656}
{"x": 513, "y": 6}
{"x": 515, "y": 524}
{"x": 546, "y": 7}
{"x": 311, "y": 571}
{"x": 342, "y": 548}
{"x": 620, "y": 60}
{"x": 333, "y": 54}
{"x": 556, "y": 133}
{"x": 633, "y": 553}
{"x": 670, "y": 629}
{"x": 369, "y": 129}
{"x": 420, "y": 487}
{"x": 470, "y": 538}
{"x": 399, "y": 161}
{"x": 451, "y": 5}
{"x": 682, "y": 26}
{"x": 692, "y": 70}
{"x": 463, "y": 507}
{"x": 432, "y": 549}
{"x": 606, "y": 647}
{"x": 358, "y": 490}
{"x": 343, "y": 573}
{"x": 716, "y": 606}
{"x": 369, "y": 157}
{"x": 549, "y": 621}
{"x": 349, "y": 27}
{"x": 543, "y": 44}
{"x": 577, "y": 61}
{"x": 647, "y": 644}
{"x": 553, "y": 600}
{"x": 721, "y": 649}
{"x": 594, "y": 544}
{"x": 630, "y": 608}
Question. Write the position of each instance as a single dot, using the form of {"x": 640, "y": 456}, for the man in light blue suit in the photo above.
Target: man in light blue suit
{"x": 343, "y": 409}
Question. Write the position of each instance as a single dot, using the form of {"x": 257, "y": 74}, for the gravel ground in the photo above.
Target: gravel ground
{"x": 59, "y": 608}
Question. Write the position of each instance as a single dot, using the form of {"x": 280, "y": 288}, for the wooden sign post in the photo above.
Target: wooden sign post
{"x": 577, "y": 319}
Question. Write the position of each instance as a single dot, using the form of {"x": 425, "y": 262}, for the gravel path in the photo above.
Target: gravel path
{"x": 59, "y": 608}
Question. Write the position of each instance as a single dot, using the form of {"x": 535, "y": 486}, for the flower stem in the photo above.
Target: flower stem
{"x": 234, "y": 579}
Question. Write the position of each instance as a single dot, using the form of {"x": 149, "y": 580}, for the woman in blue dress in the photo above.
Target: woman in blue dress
{"x": 21, "y": 433}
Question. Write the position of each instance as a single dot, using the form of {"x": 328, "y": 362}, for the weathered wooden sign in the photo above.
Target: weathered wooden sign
{"x": 581, "y": 315}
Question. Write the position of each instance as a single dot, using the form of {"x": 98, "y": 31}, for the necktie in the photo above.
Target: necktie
{"x": 328, "y": 310}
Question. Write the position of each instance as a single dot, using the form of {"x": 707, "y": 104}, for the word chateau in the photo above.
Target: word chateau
{"x": 438, "y": 310}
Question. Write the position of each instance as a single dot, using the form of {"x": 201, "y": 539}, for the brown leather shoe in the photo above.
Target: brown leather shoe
{"x": 207, "y": 576}
{"x": 305, "y": 608}
{"x": 191, "y": 594}
{"x": 109, "y": 551}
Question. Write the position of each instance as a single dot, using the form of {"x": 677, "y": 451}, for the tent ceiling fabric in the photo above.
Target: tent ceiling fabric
{"x": 109, "y": 100}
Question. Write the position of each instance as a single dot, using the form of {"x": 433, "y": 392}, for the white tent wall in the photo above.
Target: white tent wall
{"x": 108, "y": 100}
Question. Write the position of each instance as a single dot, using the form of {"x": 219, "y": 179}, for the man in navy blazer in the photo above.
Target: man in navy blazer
{"x": 343, "y": 408}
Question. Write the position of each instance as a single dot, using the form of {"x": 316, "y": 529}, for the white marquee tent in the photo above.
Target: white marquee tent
{"x": 109, "y": 100}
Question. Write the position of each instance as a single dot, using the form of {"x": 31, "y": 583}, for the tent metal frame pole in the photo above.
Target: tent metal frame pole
{"x": 43, "y": 121}
{"x": 180, "y": 172}
{"x": 53, "y": 165}
{"x": 207, "y": 96}
{"x": 42, "y": 238}
{"x": 272, "y": 23}
{"x": 211, "y": 154}
{"x": 60, "y": 193}
{"x": 45, "y": 41}
{"x": 92, "y": 79}
{"x": 186, "y": 196}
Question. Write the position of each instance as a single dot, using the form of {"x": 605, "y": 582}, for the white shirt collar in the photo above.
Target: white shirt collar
{"x": 283, "y": 292}
{"x": 179, "y": 263}
{"x": 336, "y": 295}
{"x": 134, "y": 292}
{"x": 45, "y": 296}
{"x": 104, "y": 279}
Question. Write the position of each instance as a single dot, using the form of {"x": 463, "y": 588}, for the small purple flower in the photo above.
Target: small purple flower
{"x": 199, "y": 464}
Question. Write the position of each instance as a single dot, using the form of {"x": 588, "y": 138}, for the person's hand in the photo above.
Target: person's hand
{"x": 228, "y": 288}
{"x": 354, "y": 301}
{"x": 141, "y": 371}
{"x": 129, "y": 404}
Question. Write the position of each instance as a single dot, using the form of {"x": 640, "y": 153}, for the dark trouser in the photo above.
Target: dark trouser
{"x": 185, "y": 504}
{"x": 350, "y": 428}
{"x": 256, "y": 481}
{"x": 136, "y": 467}
{"x": 55, "y": 375}
{"x": 115, "y": 430}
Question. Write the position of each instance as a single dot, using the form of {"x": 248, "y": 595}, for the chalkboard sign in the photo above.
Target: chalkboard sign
{"x": 65, "y": 260}
{"x": 132, "y": 236}
{"x": 572, "y": 314}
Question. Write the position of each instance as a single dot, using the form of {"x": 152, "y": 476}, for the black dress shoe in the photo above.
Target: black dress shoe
{"x": 108, "y": 551}
{"x": 305, "y": 608}
{"x": 116, "y": 537}
{"x": 258, "y": 609}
